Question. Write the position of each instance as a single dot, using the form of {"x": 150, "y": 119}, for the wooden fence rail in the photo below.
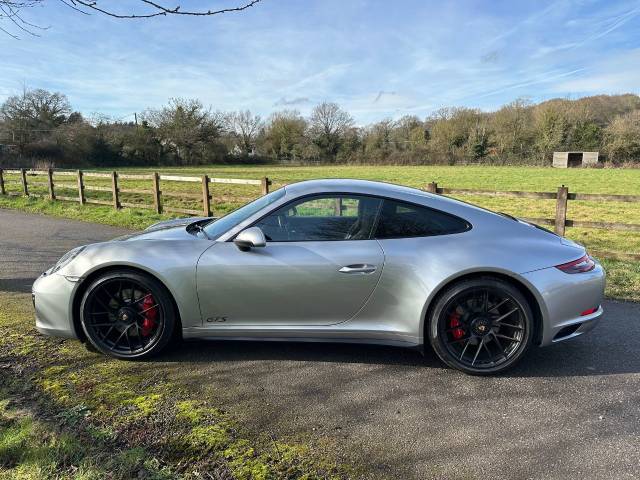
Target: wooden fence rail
{"x": 155, "y": 179}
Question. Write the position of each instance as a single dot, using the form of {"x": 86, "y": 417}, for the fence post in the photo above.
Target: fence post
{"x": 264, "y": 185}
{"x": 561, "y": 209}
{"x": 2, "y": 190}
{"x": 338, "y": 207}
{"x": 157, "y": 201}
{"x": 81, "y": 197}
{"x": 206, "y": 197}
{"x": 115, "y": 192}
{"x": 25, "y": 188}
{"x": 432, "y": 187}
{"x": 52, "y": 192}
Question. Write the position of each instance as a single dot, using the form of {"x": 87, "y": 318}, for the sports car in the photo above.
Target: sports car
{"x": 332, "y": 261}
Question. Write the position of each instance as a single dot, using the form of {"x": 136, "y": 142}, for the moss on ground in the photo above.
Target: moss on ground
{"x": 106, "y": 411}
{"x": 34, "y": 448}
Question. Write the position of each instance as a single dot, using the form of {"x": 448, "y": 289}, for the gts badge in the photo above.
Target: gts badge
{"x": 217, "y": 319}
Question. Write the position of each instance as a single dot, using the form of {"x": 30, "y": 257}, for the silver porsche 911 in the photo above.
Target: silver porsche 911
{"x": 331, "y": 260}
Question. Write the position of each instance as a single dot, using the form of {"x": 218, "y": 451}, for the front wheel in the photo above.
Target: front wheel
{"x": 127, "y": 315}
{"x": 481, "y": 326}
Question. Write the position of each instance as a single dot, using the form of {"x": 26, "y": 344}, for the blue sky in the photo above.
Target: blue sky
{"x": 376, "y": 58}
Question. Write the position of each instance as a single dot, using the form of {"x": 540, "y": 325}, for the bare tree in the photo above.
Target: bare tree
{"x": 186, "y": 128}
{"x": 328, "y": 124}
{"x": 11, "y": 11}
{"x": 245, "y": 127}
{"x": 329, "y": 119}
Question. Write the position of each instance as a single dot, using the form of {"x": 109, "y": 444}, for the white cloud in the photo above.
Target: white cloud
{"x": 374, "y": 60}
{"x": 619, "y": 74}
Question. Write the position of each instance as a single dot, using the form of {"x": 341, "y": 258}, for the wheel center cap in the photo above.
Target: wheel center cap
{"x": 481, "y": 326}
{"x": 125, "y": 315}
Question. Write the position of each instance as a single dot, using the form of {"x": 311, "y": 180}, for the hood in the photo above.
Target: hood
{"x": 176, "y": 229}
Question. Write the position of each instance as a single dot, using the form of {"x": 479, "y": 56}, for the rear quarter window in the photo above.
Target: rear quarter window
{"x": 405, "y": 220}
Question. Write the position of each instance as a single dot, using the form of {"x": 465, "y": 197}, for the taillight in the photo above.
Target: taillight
{"x": 581, "y": 265}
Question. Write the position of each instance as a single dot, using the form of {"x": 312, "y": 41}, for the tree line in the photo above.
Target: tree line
{"x": 40, "y": 127}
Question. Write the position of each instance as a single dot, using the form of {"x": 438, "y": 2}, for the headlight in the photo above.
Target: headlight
{"x": 67, "y": 258}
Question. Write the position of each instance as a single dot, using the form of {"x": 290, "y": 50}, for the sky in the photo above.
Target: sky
{"x": 376, "y": 58}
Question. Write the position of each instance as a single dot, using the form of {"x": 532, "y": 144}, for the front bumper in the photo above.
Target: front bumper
{"x": 562, "y": 299}
{"x": 53, "y": 303}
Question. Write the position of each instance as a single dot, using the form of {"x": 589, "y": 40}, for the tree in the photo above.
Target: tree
{"x": 455, "y": 132}
{"x": 622, "y": 137}
{"x": 552, "y": 126}
{"x": 328, "y": 123}
{"x": 512, "y": 133}
{"x": 409, "y": 133}
{"x": 11, "y": 11}
{"x": 245, "y": 127}
{"x": 479, "y": 139}
{"x": 378, "y": 139}
{"x": 34, "y": 114}
{"x": 188, "y": 130}
{"x": 284, "y": 136}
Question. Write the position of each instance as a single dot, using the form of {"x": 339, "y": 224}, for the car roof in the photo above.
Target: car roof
{"x": 348, "y": 185}
{"x": 384, "y": 189}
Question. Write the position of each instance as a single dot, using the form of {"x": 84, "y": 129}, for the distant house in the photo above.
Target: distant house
{"x": 575, "y": 159}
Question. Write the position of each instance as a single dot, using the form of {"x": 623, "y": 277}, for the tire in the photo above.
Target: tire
{"x": 118, "y": 320}
{"x": 472, "y": 330}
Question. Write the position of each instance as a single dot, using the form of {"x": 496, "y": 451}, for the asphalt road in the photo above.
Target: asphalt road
{"x": 568, "y": 411}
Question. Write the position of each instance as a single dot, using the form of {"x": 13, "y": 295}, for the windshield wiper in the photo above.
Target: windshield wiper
{"x": 199, "y": 227}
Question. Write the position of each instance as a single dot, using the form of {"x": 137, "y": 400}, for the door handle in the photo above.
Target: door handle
{"x": 361, "y": 268}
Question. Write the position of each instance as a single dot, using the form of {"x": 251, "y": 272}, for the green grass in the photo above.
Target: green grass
{"x": 73, "y": 414}
{"x": 227, "y": 197}
{"x": 125, "y": 218}
{"x": 31, "y": 448}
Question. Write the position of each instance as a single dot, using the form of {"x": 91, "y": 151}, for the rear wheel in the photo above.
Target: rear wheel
{"x": 127, "y": 315}
{"x": 481, "y": 326}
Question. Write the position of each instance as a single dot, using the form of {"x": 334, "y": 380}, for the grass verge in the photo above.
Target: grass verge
{"x": 67, "y": 413}
{"x": 125, "y": 218}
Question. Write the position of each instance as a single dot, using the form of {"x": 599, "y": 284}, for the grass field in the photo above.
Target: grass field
{"x": 624, "y": 279}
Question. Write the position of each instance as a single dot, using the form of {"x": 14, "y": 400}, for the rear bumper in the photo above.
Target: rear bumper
{"x": 562, "y": 299}
{"x": 52, "y": 300}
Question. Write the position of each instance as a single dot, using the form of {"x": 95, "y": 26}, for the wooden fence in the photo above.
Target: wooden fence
{"x": 562, "y": 198}
{"x": 155, "y": 179}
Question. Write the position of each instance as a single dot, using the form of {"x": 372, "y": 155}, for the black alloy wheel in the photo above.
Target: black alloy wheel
{"x": 127, "y": 315}
{"x": 481, "y": 326}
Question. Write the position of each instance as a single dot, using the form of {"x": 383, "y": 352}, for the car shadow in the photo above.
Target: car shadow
{"x": 235, "y": 351}
{"x": 610, "y": 349}
{"x": 589, "y": 355}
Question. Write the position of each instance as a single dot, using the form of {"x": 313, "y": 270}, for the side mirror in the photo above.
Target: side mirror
{"x": 250, "y": 238}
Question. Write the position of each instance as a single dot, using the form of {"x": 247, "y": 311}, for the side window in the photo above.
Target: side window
{"x": 399, "y": 219}
{"x": 322, "y": 218}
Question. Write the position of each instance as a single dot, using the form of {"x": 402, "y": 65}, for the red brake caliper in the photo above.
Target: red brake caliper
{"x": 454, "y": 321}
{"x": 150, "y": 315}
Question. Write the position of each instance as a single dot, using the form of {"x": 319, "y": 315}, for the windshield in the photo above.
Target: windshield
{"x": 224, "y": 224}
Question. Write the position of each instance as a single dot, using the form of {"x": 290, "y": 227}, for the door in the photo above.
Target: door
{"x": 319, "y": 267}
